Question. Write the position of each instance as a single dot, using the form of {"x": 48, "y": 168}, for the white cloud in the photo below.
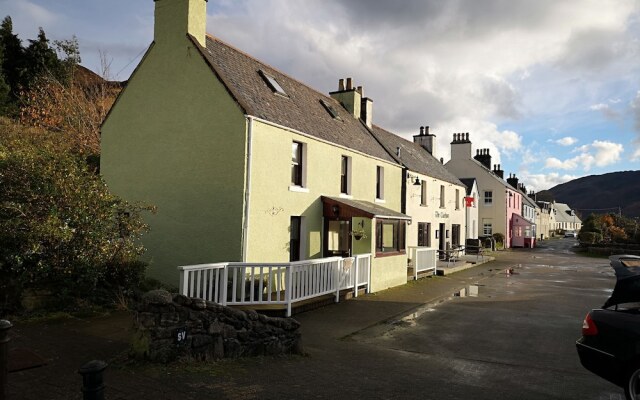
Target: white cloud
{"x": 599, "y": 106}
{"x": 567, "y": 141}
{"x": 599, "y": 153}
{"x": 538, "y": 182}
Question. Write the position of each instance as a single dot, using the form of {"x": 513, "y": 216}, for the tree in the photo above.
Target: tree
{"x": 13, "y": 65}
{"x": 60, "y": 228}
{"x": 77, "y": 108}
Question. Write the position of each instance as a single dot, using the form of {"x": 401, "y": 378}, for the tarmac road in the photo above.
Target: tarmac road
{"x": 515, "y": 340}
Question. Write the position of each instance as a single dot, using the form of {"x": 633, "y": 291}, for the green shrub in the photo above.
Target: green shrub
{"x": 61, "y": 230}
{"x": 498, "y": 237}
{"x": 589, "y": 237}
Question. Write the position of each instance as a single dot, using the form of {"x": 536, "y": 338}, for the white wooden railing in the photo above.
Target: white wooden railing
{"x": 234, "y": 283}
{"x": 424, "y": 259}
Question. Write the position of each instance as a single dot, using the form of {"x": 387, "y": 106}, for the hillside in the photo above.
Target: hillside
{"x": 612, "y": 190}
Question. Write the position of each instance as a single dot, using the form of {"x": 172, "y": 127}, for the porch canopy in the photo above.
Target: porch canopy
{"x": 338, "y": 207}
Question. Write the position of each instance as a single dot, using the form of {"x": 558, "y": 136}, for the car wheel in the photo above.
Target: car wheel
{"x": 632, "y": 386}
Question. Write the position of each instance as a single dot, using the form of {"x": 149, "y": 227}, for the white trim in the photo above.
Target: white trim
{"x": 299, "y": 189}
{"x": 381, "y": 201}
{"x": 247, "y": 190}
{"x": 345, "y": 196}
{"x": 297, "y": 132}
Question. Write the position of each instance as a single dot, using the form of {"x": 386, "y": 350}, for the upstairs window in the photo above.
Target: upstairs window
{"x": 296, "y": 163}
{"x": 423, "y": 193}
{"x": 379, "y": 183}
{"x": 457, "y": 199}
{"x": 442, "y": 199}
{"x": 273, "y": 84}
{"x": 488, "y": 198}
{"x": 345, "y": 175}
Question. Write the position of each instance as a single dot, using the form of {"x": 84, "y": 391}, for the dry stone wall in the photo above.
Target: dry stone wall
{"x": 172, "y": 326}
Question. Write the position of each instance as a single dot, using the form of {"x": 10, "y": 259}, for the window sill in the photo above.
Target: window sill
{"x": 424, "y": 205}
{"x": 390, "y": 254}
{"x": 382, "y": 201}
{"x": 345, "y": 196}
{"x": 299, "y": 189}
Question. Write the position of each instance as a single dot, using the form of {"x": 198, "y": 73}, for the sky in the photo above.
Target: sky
{"x": 551, "y": 87}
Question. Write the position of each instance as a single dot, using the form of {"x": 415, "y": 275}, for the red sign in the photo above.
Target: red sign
{"x": 468, "y": 201}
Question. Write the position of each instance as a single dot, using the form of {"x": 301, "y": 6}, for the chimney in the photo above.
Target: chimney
{"x": 499, "y": 172}
{"x": 366, "y": 109}
{"x": 513, "y": 181}
{"x": 484, "y": 158}
{"x": 532, "y": 195}
{"x": 426, "y": 140}
{"x": 174, "y": 19}
{"x": 461, "y": 146}
{"x": 351, "y": 99}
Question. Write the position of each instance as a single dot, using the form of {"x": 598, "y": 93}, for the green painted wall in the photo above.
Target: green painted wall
{"x": 175, "y": 139}
{"x": 272, "y": 203}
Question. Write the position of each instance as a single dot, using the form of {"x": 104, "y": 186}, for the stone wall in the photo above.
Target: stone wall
{"x": 170, "y": 327}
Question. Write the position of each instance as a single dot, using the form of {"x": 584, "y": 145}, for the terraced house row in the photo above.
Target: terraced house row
{"x": 246, "y": 164}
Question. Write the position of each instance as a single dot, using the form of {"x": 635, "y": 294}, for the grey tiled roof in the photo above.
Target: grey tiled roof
{"x": 300, "y": 109}
{"x": 414, "y": 156}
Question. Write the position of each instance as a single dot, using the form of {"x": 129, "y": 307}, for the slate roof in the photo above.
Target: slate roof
{"x": 300, "y": 110}
{"x": 371, "y": 210}
{"x": 414, "y": 157}
{"x": 468, "y": 182}
{"x": 563, "y": 213}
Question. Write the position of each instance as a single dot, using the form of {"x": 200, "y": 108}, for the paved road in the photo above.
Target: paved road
{"x": 514, "y": 341}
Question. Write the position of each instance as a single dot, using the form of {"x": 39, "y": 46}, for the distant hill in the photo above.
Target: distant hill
{"x": 613, "y": 190}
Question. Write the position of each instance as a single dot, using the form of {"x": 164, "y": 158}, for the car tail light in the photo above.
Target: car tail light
{"x": 589, "y": 327}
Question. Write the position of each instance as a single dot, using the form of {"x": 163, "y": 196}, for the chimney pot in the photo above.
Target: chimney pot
{"x": 341, "y": 84}
{"x": 359, "y": 89}
{"x": 422, "y": 131}
{"x": 349, "y": 84}
{"x": 426, "y": 130}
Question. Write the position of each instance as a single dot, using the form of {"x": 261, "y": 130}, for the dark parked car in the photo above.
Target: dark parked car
{"x": 610, "y": 342}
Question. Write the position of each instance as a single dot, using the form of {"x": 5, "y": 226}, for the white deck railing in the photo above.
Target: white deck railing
{"x": 235, "y": 283}
{"x": 424, "y": 259}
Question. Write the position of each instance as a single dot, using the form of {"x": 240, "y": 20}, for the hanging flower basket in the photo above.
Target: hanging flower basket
{"x": 358, "y": 234}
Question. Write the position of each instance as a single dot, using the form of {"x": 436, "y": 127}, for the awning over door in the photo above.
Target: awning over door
{"x": 337, "y": 207}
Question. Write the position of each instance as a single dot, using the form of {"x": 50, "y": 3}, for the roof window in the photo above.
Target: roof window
{"x": 332, "y": 111}
{"x": 273, "y": 84}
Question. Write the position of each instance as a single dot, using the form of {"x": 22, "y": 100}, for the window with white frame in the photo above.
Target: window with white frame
{"x": 297, "y": 164}
{"x": 488, "y": 198}
{"x": 487, "y": 227}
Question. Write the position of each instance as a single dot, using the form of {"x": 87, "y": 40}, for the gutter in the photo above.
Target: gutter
{"x": 247, "y": 190}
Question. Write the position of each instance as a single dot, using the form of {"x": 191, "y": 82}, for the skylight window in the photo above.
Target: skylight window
{"x": 330, "y": 109}
{"x": 273, "y": 84}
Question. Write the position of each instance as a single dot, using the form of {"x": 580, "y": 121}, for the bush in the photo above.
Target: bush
{"x": 61, "y": 230}
{"x": 498, "y": 237}
{"x": 590, "y": 237}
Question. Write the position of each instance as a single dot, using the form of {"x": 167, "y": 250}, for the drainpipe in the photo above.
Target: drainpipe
{"x": 247, "y": 190}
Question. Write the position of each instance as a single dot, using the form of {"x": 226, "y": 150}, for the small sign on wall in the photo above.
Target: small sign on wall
{"x": 180, "y": 336}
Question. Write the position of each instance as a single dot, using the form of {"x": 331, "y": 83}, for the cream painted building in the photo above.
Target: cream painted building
{"x": 498, "y": 202}
{"x": 432, "y": 196}
{"x": 244, "y": 163}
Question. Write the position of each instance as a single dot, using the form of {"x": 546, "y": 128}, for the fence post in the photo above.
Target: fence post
{"x": 355, "y": 286}
{"x": 184, "y": 281}
{"x": 337, "y": 268}
{"x": 225, "y": 284}
{"x": 4, "y": 356}
{"x": 288, "y": 288}
{"x": 92, "y": 380}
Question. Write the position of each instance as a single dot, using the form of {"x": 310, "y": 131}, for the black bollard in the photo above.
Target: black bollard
{"x": 92, "y": 381}
{"x": 4, "y": 356}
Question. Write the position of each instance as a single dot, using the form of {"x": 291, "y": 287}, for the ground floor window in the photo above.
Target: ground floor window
{"x": 424, "y": 234}
{"x": 338, "y": 237}
{"x": 455, "y": 234}
{"x": 390, "y": 235}
{"x": 487, "y": 228}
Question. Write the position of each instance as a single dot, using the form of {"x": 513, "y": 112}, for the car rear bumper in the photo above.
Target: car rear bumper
{"x": 601, "y": 363}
